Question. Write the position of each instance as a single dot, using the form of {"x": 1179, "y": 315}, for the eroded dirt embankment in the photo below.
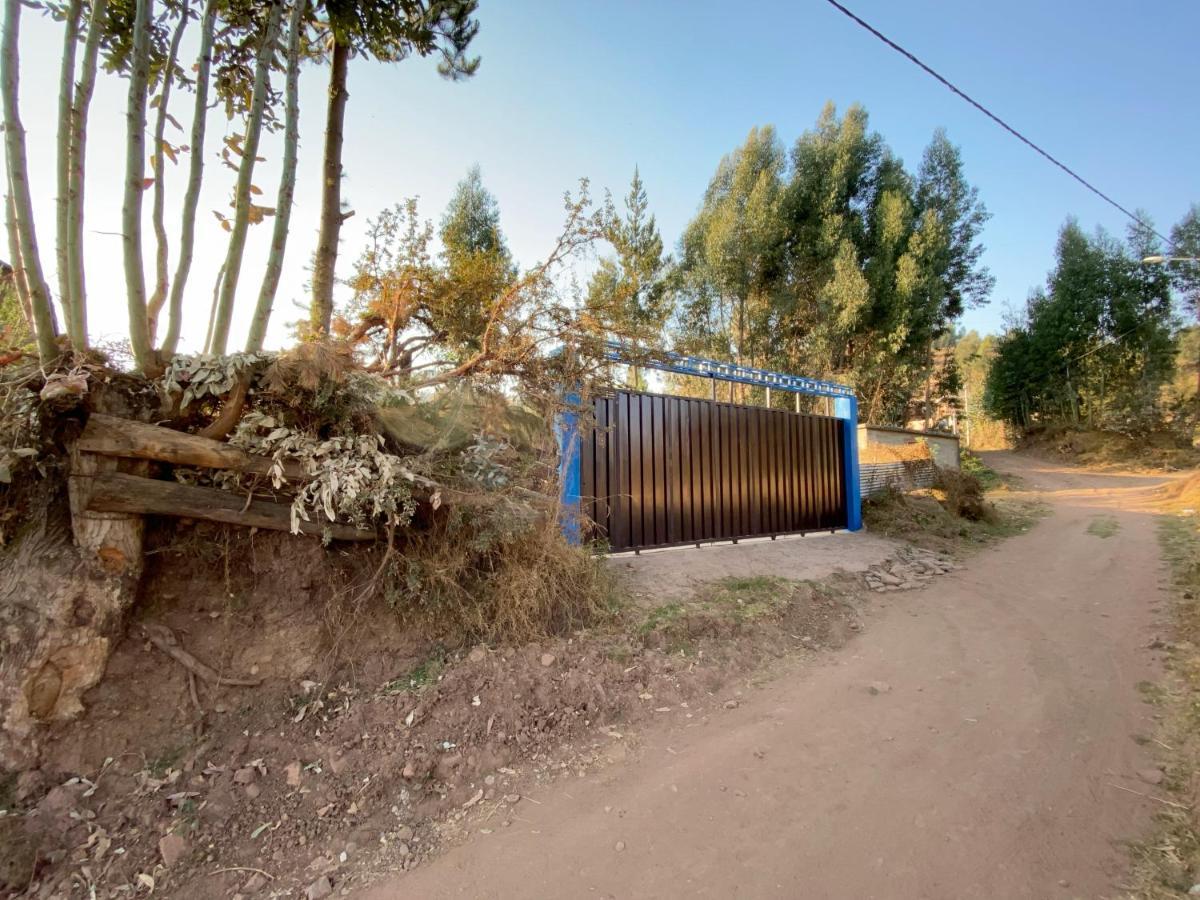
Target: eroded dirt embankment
{"x": 365, "y": 745}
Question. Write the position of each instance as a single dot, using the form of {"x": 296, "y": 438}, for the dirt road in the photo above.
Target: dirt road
{"x": 997, "y": 759}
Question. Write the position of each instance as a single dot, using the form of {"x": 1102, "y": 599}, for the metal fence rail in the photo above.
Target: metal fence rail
{"x": 657, "y": 471}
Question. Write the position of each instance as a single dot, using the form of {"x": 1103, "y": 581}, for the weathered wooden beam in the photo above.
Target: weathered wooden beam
{"x": 113, "y": 436}
{"x": 117, "y": 492}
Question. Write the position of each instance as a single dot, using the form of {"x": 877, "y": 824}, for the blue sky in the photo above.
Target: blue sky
{"x": 570, "y": 90}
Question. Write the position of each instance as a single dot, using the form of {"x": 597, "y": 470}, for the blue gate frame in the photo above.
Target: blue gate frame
{"x": 845, "y": 407}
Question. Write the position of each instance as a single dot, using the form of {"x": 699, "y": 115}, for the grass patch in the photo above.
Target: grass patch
{"x": 748, "y": 598}
{"x": 1167, "y": 863}
{"x": 661, "y": 617}
{"x": 718, "y": 610}
{"x": 1104, "y": 526}
{"x": 418, "y": 677}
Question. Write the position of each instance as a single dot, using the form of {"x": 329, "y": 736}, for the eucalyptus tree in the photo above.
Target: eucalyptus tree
{"x": 30, "y": 278}
{"x": 835, "y": 260}
{"x": 388, "y": 30}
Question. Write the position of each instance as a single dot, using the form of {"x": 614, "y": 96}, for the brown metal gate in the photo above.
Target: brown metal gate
{"x": 657, "y": 471}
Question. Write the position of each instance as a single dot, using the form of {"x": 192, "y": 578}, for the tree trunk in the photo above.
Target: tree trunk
{"x": 191, "y": 198}
{"x": 161, "y": 248}
{"x": 37, "y": 294}
{"x": 78, "y": 126}
{"x": 287, "y": 184}
{"x": 325, "y": 262}
{"x": 18, "y": 273}
{"x": 135, "y": 176}
{"x": 66, "y": 101}
{"x": 242, "y": 194}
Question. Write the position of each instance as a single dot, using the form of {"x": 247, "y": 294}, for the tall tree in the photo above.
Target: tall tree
{"x": 389, "y": 30}
{"x": 73, "y": 15}
{"x": 244, "y": 206}
{"x": 943, "y": 188}
{"x": 287, "y": 181}
{"x": 1185, "y": 243}
{"x": 630, "y": 287}
{"x": 30, "y": 279}
{"x": 477, "y": 262}
{"x": 74, "y": 128}
{"x": 1096, "y": 345}
{"x": 730, "y": 251}
{"x": 837, "y": 262}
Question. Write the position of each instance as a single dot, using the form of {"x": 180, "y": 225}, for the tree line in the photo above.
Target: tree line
{"x": 1098, "y": 344}
{"x": 833, "y": 260}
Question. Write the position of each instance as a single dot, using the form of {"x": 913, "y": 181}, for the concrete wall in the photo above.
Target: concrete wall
{"x": 943, "y": 448}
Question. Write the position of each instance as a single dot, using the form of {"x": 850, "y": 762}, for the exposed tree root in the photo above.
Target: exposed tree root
{"x": 164, "y": 639}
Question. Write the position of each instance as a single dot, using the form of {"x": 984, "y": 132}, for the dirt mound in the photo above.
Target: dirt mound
{"x": 1090, "y": 447}
{"x": 1181, "y": 495}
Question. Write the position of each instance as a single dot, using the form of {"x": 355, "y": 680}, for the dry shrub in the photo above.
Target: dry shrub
{"x": 963, "y": 494}
{"x": 474, "y": 575}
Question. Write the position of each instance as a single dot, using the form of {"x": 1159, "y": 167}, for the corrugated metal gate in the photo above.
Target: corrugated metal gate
{"x": 657, "y": 471}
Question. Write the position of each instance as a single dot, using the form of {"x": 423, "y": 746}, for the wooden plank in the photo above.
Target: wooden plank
{"x": 113, "y": 436}
{"x": 117, "y": 492}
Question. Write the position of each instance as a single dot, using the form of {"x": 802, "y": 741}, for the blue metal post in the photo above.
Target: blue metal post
{"x": 570, "y": 470}
{"x": 846, "y": 409}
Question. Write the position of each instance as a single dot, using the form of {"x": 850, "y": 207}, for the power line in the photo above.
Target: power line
{"x": 995, "y": 118}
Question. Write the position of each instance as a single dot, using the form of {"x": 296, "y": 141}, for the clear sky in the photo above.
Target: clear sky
{"x": 574, "y": 89}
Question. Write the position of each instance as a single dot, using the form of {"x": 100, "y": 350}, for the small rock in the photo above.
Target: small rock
{"x": 547, "y": 659}
{"x": 879, "y": 687}
{"x": 1194, "y": 890}
{"x": 172, "y": 848}
{"x": 619, "y": 846}
{"x": 478, "y": 654}
{"x": 512, "y": 798}
{"x": 889, "y": 578}
{"x": 731, "y": 704}
{"x": 404, "y": 834}
{"x": 254, "y": 883}
{"x": 292, "y": 772}
{"x": 1151, "y": 776}
{"x": 29, "y": 783}
{"x": 319, "y": 889}
{"x": 409, "y": 770}
{"x": 252, "y": 791}
{"x": 244, "y": 775}
{"x": 402, "y": 850}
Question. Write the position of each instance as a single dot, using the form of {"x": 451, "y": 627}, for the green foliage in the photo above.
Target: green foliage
{"x": 836, "y": 262}
{"x": 477, "y": 266}
{"x": 630, "y": 289}
{"x": 1185, "y": 272}
{"x": 1103, "y": 526}
{"x": 989, "y": 479}
{"x": 1096, "y": 345}
{"x": 391, "y": 30}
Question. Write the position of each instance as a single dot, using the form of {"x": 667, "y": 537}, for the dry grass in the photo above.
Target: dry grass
{"x": 1167, "y": 864}
{"x": 1090, "y": 447}
{"x": 961, "y": 493}
{"x": 522, "y": 585}
{"x": 931, "y": 519}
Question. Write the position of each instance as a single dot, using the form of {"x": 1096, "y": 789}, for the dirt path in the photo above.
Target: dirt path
{"x": 997, "y": 759}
